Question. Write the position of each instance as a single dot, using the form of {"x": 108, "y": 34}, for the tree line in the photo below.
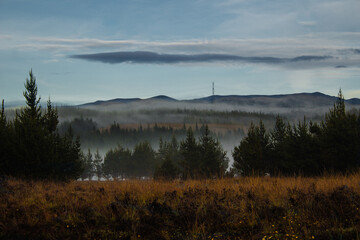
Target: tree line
{"x": 187, "y": 159}
{"x": 93, "y": 137}
{"x": 306, "y": 148}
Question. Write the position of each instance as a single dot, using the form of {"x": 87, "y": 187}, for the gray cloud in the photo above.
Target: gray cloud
{"x": 308, "y": 23}
{"x": 5, "y": 37}
{"x": 156, "y": 58}
{"x": 274, "y": 47}
{"x": 304, "y": 52}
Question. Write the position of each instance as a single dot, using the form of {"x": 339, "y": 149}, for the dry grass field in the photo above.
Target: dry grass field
{"x": 242, "y": 208}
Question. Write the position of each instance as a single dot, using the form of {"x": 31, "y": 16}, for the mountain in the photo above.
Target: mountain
{"x": 129, "y": 100}
{"x": 163, "y": 98}
{"x": 113, "y": 101}
{"x": 284, "y": 101}
{"x": 229, "y": 109}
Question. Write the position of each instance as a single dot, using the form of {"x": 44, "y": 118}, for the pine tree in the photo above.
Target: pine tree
{"x": 279, "y": 141}
{"x": 339, "y": 138}
{"x": 252, "y": 156}
{"x": 168, "y": 156}
{"x": 167, "y": 171}
{"x": 33, "y": 148}
{"x": 37, "y": 150}
{"x": 50, "y": 118}
{"x": 116, "y": 162}
{"x": 97, "y": 162}
{"x": 4, "y": 141}
{"x": 190, "y": 162}
{"x": 144, "y": 160}
{"x": 33, "y": 109}
{"x": 214, "y": 161}
{"x": 88, "y": 166}
{"x": 2, "y": 115}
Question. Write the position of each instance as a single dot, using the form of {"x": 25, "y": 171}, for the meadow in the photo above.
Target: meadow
{"x": 325, "y": 207}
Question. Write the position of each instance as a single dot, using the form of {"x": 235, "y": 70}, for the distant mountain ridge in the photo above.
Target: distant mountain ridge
{"x": 296, "y": 100}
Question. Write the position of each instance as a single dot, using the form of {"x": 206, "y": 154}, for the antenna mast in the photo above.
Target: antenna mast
{"x": 213, "y": 88}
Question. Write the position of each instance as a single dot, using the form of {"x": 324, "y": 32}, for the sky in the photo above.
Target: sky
{"x": 86, "y": 50}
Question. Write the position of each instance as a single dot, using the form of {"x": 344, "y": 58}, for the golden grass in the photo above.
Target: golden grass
{"x": 242, "y": 208}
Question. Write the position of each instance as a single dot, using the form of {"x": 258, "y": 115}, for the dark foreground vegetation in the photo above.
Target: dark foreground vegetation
{"x": 31, "y": 146}
{"x": 306, "y": 148}
{"x": 245, "y": 208}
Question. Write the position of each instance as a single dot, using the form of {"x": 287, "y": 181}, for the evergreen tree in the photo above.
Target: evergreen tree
{"x": 50, "y": 118}
{"x": 4, "y": 141}
{"x": 252, "y": 156}
{"x": 214, "y": 161}
{"x": 302, "y": 151}
{"x": 2, "y": 116}
{"x": 167, "y": 171}
{"x": 33, "y": 109}
{"x": 36, "y": 149}
{"x": 190, "y": 162}
{"x": 169, "y": 158}
{"x": 143, "y": 160}
{"x": 116, "y": 162}
{"x": 306, "y": 148}
{"x": 88, "y": 166}
{"x": 169, "y": 150}
{"x": 111, "y": 164}
{"x": 30, "y": 135}
{"x": 279, "y": 139}
{"x": 339, "y": 138}
{"x": 98, "y": 165}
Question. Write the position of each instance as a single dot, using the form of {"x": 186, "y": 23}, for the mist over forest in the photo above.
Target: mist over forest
{"x": 228, "y": 117}
{"x": 104, "y": 125}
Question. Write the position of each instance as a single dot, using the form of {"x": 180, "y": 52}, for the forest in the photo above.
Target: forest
{"x": 35, "y": 146}
{"x": 286, "y": 181}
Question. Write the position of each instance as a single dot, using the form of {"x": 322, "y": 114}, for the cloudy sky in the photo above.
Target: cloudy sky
{"x": 86, "y": 50}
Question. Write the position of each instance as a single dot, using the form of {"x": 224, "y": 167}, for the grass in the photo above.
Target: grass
{"x": 242, "y": 208}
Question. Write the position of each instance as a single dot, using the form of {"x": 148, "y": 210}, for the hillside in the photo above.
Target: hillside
{"x": 301, "y": 104}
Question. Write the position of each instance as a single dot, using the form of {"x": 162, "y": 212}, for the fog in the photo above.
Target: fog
{"x": 151, "y": 119}
{"x": 180, "y": 112}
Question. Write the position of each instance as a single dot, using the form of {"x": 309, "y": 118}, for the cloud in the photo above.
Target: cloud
{"x": 5, "y": 36}
{"x": 318, "y": 45}
{"x": 307, "y": 23}
{"x": 310, "y": 58}
{"x": 51, "y": 61}
{"x": 156, "y": 58}
{"x": 307, "y": 51}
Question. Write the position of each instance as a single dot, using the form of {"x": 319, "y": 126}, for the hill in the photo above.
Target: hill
{"x": 302, "y": 103}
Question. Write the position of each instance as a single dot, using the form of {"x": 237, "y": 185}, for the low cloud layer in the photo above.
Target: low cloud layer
{"x": 306, "y": 52}
{"x": 156, "y": 58}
